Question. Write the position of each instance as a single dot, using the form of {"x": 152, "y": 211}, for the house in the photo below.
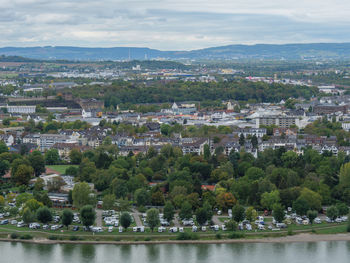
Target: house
{"x": 258, "y": 132}
{"x": 196, "y": 146}
{"x": 285, "y": 131}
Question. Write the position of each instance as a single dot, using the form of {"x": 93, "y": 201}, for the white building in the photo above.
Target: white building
{"x": 21, "y": 109}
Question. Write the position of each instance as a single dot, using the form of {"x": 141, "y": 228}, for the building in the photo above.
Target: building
{"x": 279, "y": 121}
{"x": 258, "y": 132}
{"x": 21, "y": 109}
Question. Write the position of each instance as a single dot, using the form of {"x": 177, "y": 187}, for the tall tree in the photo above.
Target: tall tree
{"x": 88, "y": 215}
{"x": 67, "y": 217}
{"x": 152, "y": 218}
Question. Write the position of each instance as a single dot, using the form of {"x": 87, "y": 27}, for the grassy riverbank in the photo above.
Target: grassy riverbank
{"x": 12, "y": 233}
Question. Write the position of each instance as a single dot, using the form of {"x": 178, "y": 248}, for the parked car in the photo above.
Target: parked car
{"x": 21, "y": 224}
{"x": 194, "y": 229}
{"x": 120, "y": 229}
{"x": 161, "y": 229}
{"x": 110, "y": 229}
{"x": 249, "y": 227}
{"x": 4, "y": 222}
{"x": 46, "y": 227}
{"x": 75, "y": 228}
{"x": 181, "y": 229}
{"x": 54, "y": 227}
{"x": 14, "y": 222}
{"x": 261, "y": 227}
{"x": 173, "y": 229}
{"x": 317, "y": 220}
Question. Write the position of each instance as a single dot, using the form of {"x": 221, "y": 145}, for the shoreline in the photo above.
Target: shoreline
{"x": 299, "y": 238}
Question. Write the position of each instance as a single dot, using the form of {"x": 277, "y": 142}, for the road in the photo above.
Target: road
{"x": 99, "y": 217}
{"x": 136, "y": 215}
{"x": 176, "y": 221}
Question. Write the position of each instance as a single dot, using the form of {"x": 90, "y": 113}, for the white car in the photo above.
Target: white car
{"x": 110, "y": 229}
{"x": 317, "y": 220}
{"x": 14, "y": 222}
{"x": 261, "y": 227}
{"x": 249, "y": 227}
{"x": 120, "y": 229}
{"x": 194, "y": 229}
{"x": 21, "y": 224}
{"x": 54, "y": 227}
{"x": 204, "y": 228}
{"x": 161, "y": 229}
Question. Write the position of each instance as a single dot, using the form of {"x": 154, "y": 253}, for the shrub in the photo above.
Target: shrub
{"x": 236, "y": 235}
{"x": 73, "y": 238}
{"x": 26, "y": 236}
{"x": 117, "y": 239}
{"x": 14, "y": 235}
{"x": 218, "y": 236}
{"x": 187, "y": 236}
{"x": 147, "y": 239}
{"x": 290, "y": 232}
{"x": 52, "y": 237}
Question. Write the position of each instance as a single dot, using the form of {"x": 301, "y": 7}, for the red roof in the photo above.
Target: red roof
{"x": 208, "y": 187}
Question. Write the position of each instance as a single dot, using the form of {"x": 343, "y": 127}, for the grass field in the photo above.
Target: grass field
{"x": 60, "y": 168}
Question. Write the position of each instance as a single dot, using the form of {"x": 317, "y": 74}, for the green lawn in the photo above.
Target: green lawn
{"x": 60, "y": 168}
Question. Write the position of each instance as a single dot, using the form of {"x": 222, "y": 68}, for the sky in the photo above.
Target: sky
{"x": 172, "y": 24}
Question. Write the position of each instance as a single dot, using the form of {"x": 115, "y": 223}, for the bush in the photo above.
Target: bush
{"x": 73, "y": 238}
{"x": 117, "y": 239}
{"x": 53, "y": 237}
{"x": 14, "y": 235}
{"x": 218, "y": 236}
{"x": 187, "y": 236}
{"x": 236, "y": 235}
{"x": 26, "y": 236}
{"x": 142, "y": 209}
{"x": 147, "y": 239}
{"x": 290, "y": 232}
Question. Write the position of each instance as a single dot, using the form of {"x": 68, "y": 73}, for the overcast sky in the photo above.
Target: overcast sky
{"x": 172, "y": 24}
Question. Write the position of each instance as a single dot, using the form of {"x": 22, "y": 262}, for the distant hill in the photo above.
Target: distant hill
{"x": 260, "y": 51}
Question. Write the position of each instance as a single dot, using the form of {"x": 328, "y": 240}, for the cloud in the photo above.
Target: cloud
{"x": 172, "y": 25}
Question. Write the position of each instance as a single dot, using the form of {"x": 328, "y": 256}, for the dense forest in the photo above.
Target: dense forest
{"x": 123, "y": 92}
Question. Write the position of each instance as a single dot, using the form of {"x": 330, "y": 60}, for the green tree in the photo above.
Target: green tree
{"x": 238, "y": 213}
{"x": 43, "y": 214}
{"x": 231, "y": 225}
{"x": 88, "y": 215}
{"x": 251, "y": 214}
{"x": 311, "y": 214}
{"x": 344, "y": 175}
{"x": 81, "y": 194}
{"x": 37, "y": 161}
{"x": 254, "y": 141}
{"x": 241, "y": 139}
{"x": 332, "y": 212}
{"x": 39, "y": 184}
{"x": 152, "y": 218}
{"x": 52, "y": 157}
{"x": 75, "y": 156}
{"x": 343, "y": 209}
{"x": 169, "y": 211}
{"x": 313, "y": 199}
{"x": 23, "y": 174}
{"x": 278, "y": 212}
{"x": 108, "y": 202}
{"x": 125, "y": 220}
{"x": 206, "y": 152}
{"x": 201, "y": 216}
{"x": 301, "y": 206}
{"x": 269, "y": 199}
{"x": 67, "y": 217}
{"x": 185, "y": 211}
{"x": 28, "y": 216}
{"x": 142, "y": 197}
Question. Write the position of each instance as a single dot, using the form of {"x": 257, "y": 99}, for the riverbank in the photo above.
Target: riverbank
{"x": 299, "y": 238}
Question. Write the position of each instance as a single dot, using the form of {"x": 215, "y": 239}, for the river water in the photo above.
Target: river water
{"x": 320, "y": 252}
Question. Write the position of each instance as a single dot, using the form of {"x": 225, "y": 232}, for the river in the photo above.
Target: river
{"x": 319, "y": 252}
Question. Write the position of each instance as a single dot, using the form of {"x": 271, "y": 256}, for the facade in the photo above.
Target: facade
{"x": 279, "y": 121}
{"x": 21, "y": 109}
